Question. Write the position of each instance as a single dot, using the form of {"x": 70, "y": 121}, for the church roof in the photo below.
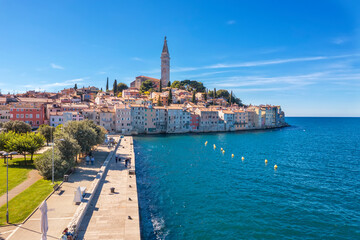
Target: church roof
{"x": 165, "y": 47}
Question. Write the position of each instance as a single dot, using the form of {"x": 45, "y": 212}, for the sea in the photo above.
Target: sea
{"x": 189, "y": 190}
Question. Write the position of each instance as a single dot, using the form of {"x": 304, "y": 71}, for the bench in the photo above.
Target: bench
{"x": 56, "y": 187}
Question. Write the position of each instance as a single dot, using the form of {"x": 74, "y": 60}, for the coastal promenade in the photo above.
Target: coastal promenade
{"x": 114, "y": 215}
{"x": 60, "y": 204}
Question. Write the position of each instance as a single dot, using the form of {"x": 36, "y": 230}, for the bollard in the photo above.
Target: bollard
{"x": 66, "y": 178}
{"x": 112, "y": 190}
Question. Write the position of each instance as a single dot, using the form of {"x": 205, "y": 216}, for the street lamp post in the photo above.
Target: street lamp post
{"x": 5, "y": 154}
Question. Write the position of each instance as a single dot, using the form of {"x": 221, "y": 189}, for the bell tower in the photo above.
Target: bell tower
{"x": 165, "y": 65}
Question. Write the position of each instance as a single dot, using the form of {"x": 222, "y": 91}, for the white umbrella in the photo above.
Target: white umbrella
{"x": 43, "y": 220}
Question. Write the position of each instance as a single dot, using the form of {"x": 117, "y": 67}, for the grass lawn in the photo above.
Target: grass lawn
{"x": 23, "y": 204}
{"x": 18, "y": 173}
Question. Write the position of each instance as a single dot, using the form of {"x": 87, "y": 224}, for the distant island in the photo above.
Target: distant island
{"x": 148, "y": 106}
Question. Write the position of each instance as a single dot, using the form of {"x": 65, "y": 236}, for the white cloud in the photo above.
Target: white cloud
{"x": 259, "y": 63}
{"x": 137, "y": 59}
{"x": 340, "y": 40}
{"x": 55, "y": 66}
{"x": 230, "y": 22}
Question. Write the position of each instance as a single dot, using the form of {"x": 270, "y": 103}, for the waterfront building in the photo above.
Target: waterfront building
{"x": 138, "y": 118}
{"x": 131, "y": 92}
{"x": 165, "y": 65}
{"x": 150, "y": 120}
{"x": 240, "y": 119}
{"x": 227, "y": 116}
{"x": 178, "y": 120}
{"x": 107, "y": 118}
{"x": 209, "y": 120}
{"x": 194, "y": 122}
{"x": 161, "y": 119}
{"x": 123, "y": 119}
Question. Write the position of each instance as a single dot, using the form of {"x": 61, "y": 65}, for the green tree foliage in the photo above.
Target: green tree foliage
{"x": 47, "y": 131}
{"x": 100, "y": 131}
{"x": 230, "y": 97}
{"x": 176, "y": 84}
{"x": 17, "y": 126}
{"x": 61, "y": 165}
{"x": 115, "y": 87}
{"x": 84, "y": 134}
{"x": 147, "y": 86}
{"x": 214, "y": 93}
{"x": 159, "y": 102}
{"x": 4, "y": 138}
{"x": 169, "y": 84}
{"x": 68, "y": 147}
{"x": 205, "y": 96}
{"x": 170, "y": 97}
{"x": 25, "y": 143}
{"x": 107, "y": 84}
{"x": 121, "y": 87}
{"x": 75, "y": 87}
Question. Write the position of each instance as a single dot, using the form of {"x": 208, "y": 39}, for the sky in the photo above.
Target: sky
{"x": 303, "y": 55}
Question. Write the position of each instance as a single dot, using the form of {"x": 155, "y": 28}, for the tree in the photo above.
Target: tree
{"x": 170, "y": 96}
{"x": 169, "y": 84}
{"x": 231, "y": 98}
{"x": 214, "y": 93}
{"x": 47, "y": 131}
{"x": 205, "y": 96}
{"x": 26, "y": 143}
{"x": 17, "y": 126}
{"x": 107, "y": 84}
{"x": 75, "y": 87}
{"x": 147, "y": 86}
{"x": 100, "y": 131}
{"x": 84, "y": 134}
{"x": 115, "y": 90}
{"x": 193, "y": 99}
{"x": 223, "y": 93}
{"x": 176, "y": 84}
{"x": 159, "y": 102}
{"x": 44, "y": 164}
{"x": 121, "y": 87}
{"x": 68, "y": 146}
{"x": 160, "y": 87}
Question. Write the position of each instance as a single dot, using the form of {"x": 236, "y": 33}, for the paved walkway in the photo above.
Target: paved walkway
{"x": 32, "y": 178}
{"x": 107, "y": 216}
{"x": 60, "y": 205}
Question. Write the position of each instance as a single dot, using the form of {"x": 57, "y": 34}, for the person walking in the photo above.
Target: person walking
{"x": 92, "y": 160}
{"x": 116, "y": 158}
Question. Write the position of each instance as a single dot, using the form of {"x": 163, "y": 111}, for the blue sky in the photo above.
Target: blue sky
{"x": 302, "y": 55}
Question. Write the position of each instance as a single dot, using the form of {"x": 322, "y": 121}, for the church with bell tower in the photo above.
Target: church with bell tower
{"x": 165, "y": 65}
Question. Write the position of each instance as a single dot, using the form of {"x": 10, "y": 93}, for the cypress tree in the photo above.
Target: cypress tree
{"x": 214, "y": 93}
{"x": 160, "y": 89}
{"x": 169, "y": 84}
{"x": 115, "y": 87}
{"x": 170, "y": 97}
{"x": 205, "y": 96}
{"x": 75, "y": 87}
{"x": 107, "y": 84}
{"x": 159, "y": 102}
{"x": 193, "y": 97}
{"x": 231, "y": 98}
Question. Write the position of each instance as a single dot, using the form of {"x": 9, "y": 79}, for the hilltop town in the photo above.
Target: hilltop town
{"x": 148, "y": 106}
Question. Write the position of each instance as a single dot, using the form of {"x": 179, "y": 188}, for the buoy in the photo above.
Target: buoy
{"x": 265, "y": 161}
{"x": 206, "y": 143}
{"x": 232, "y": 155}
{"x": 221, "y": 149}
{"x": 214, "y": 146}
{"x": 275, "y": 167}
{"x": 242, "y": 158}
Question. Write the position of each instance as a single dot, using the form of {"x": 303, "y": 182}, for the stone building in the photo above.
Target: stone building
{"x": 165, "y": 65}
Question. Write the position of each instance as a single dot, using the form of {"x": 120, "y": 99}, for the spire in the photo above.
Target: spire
{"x": 165, "y": 48}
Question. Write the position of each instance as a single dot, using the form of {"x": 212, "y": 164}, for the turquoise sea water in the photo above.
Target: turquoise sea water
{"x": 190, "y": 191}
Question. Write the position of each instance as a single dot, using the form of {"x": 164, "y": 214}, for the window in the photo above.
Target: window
{"x": 37, "y": 115}
{"x": 17, "y": 115}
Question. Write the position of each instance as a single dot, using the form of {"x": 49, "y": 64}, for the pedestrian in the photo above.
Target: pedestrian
{"x": 92, "y": 160}
{"x": 87, "y": 159}
{"x": 126, "y": 163}
{"x": 116, "y": 159}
